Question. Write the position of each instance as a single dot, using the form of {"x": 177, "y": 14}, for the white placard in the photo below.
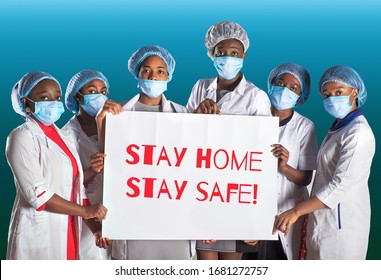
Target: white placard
{"x": 190, "y": 176}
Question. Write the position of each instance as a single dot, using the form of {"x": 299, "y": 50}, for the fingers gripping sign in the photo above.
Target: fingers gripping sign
{"x": 97, "y": 162}
{"x": 281, "y": 153}
{"x": 208, "y": 106}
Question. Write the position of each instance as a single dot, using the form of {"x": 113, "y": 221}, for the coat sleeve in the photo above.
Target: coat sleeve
{"x": 353, "y": 167}
{"x": 308, "y": 148}
{"x": 193, "y": 100}
{"x": 23, "y": 156}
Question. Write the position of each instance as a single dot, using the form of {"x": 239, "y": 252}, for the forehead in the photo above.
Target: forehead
{"x": 230, "y": 43}
{"x": 334, "y": 86}
{"x": 153, "y": 61}
{"x": 45, "y": 85}
{"x": 288, "y": 79}
{"x": 95, "y": 82}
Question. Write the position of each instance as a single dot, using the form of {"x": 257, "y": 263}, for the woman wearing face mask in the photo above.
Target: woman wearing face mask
{"x": 86, "y": 94}
{"x": 153, "y": 67}
{"x": 228, "y": 93}
{"x": 339, "y": 207}
{"x": 49, "y": 205}
{"x": 289, "y": 87}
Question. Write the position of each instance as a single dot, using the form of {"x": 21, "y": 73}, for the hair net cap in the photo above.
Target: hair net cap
{"x": 300, "y": 73}
{"x": 346, "y": 76}
{"x": 77, "y": 82}
{"x": 23, "y": 88}
{"x": 225, "y": 30}
{"x": 140, "y": 55}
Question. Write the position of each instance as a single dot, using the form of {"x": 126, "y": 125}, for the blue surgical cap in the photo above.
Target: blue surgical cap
{"x": 222, "y": 31}
{"x": 77, "y": 82}
{"x": 345, "y": 76}
{"x": 23, "y": 88}
{"x": 140, "y": 55}
{"x": 299, "y": 73}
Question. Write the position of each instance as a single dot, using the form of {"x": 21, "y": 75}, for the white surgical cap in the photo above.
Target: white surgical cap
{"x": 222, "y": 31}
{"x": 300, "y": 73}
{"x": 140, "y": 55}
{"x": 77, "y": 82}
{"x": 23, "y": 88}
{"x": 345, "y": 76}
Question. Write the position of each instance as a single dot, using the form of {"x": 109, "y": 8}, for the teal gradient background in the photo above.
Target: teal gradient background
{"x": 64, "y": 37}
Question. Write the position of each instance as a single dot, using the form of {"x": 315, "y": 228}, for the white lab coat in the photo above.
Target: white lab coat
{"x": 245, "y": 99}
{"x": 40, "y": 169}
{"x": 341, "y": 230}
{"x": 298, "y": 136}
{"x": 94, "y": 190}
{"x": 154, "y": 249}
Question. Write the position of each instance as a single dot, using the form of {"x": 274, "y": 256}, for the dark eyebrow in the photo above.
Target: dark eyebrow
{"x": 336, "y": 88}
{"x": 147, "y": 66}
{"x": 42, "y": 92}
{"x": 278, "y": 79}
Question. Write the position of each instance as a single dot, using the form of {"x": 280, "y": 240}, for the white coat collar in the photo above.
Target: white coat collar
{"x": 129, "y": 105}
{"x": 211, "y": 91}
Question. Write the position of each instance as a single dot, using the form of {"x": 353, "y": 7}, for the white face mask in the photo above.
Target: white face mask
{"x": 282, "y": 98}
{"x": 338, "y": 106}
{"x": 47, "y": 112}
{"x": 152, "y": 88}
{"x": 228, "y": 67}
{"x": 92, "y": 103}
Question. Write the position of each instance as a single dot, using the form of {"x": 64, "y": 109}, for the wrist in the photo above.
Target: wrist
{"x": 284, "y": 168}
{"x": 298, "y": 211}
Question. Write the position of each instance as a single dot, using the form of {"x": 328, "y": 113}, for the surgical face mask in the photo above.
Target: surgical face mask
{"x": 152, "y": 88}
{"x": 282, "y": 98}
{"x": 228, "y": 67}
{"x": 48, "y": 112}
{"x": 338, "y": 106}
{"x": 92, "y": 103}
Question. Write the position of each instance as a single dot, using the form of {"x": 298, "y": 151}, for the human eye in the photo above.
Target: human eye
{"x": 44, "y": 98}
{"x": 219, "y": 53}
{"x": 325, "y": 96}
{"x": 145, "y": 71}
{"x": 339, "y": 92}
{"x": 92, "y": 91}
{"x": 234, "y": 53}
{"x": 279, "y": 83}
{"x": 58, "y": 98}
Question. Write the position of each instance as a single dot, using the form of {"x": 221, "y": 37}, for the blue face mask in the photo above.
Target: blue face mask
{"x": 282, "y": 98}
{"x": 228, "y": 67}
{"x": 152, "y": 88}
{"x": 48, "y": 112}
{"x": 338, "y": 106}
{"x": 92, "y": 103}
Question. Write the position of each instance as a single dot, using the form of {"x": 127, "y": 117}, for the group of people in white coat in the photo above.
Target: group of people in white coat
{"x": 58, "y": 175}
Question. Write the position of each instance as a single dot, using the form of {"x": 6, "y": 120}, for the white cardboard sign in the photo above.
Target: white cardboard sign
{"x": 190, "y": 176}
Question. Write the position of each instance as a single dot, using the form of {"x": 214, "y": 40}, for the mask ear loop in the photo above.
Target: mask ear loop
{"x": 354, "y": 98}
{"x": 27, "y": 108}
{"x": 78, "y": 99}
